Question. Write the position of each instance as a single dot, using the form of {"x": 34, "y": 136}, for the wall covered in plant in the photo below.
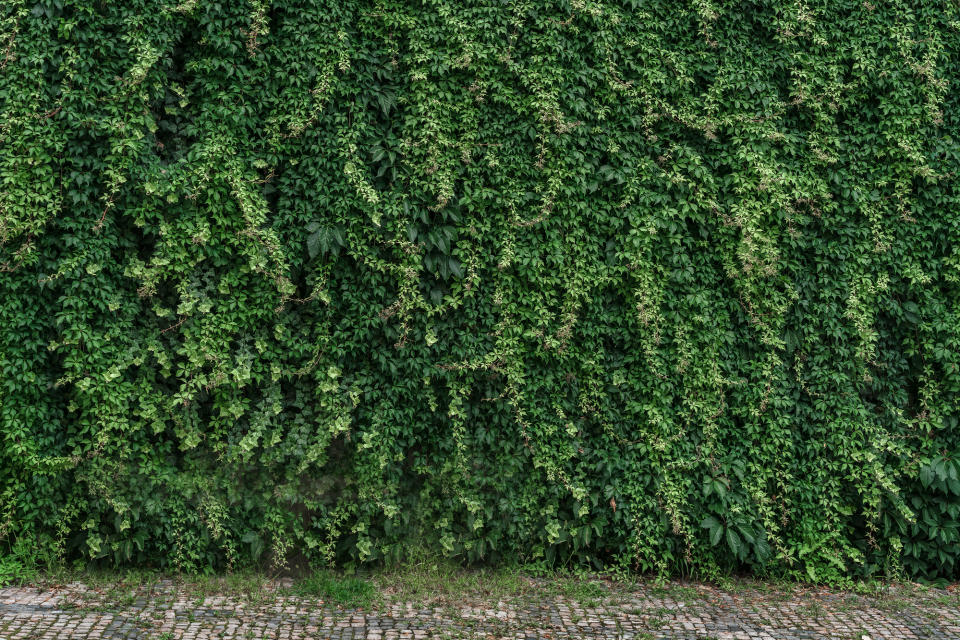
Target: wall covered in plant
{"x": 669, "y": 284}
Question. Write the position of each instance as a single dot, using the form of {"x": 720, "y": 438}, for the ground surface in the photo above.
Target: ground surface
{"x": 523, "y": 608}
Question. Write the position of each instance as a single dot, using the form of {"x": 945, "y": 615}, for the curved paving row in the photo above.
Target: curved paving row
{"x": 78, "y": 612}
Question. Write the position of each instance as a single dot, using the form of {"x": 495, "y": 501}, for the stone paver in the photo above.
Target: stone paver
{"x": 164, "y": 611}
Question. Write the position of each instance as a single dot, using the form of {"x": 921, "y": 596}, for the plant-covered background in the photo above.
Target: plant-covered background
{"x": 669, "y": 285}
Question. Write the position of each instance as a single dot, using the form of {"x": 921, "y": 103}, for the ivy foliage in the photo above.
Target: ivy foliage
{"x": 670, "y": 284}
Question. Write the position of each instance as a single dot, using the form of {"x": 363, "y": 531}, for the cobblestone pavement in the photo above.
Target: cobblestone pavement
{"x": 753, "y": 611}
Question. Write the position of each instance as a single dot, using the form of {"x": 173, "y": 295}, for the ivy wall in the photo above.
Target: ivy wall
{"x": 668, "y": 284}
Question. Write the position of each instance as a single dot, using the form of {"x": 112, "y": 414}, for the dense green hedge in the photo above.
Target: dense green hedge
{"x": 672, "y": 284}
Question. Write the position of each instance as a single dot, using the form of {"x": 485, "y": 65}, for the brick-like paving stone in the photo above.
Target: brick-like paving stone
{"x": 166, "y": 611}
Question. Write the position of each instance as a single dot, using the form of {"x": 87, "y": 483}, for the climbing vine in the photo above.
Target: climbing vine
{"x": 666, "y": 285}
